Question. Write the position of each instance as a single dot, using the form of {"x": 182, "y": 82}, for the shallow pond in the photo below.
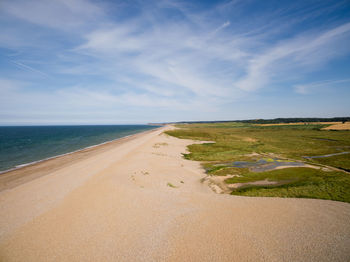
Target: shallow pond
{"x": 265, "y": 164}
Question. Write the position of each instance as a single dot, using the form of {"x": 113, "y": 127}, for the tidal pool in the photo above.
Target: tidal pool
{"x": 265, "y": 164}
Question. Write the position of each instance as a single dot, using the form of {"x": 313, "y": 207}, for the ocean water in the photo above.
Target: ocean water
{"x": 25, "y": 144}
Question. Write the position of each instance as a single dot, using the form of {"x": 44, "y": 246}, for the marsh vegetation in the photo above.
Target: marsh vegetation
{"x": 282, "y": 154}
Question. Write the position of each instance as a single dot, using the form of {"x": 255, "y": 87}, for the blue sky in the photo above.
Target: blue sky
{"x": 110, "y": 62}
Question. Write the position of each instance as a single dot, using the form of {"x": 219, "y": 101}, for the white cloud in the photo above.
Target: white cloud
{"x": 226, "y": 24}
{"x": 316, "y": 86}
{"x": 60, "y": 14}
{"x": 305, "y": 50}
{"x": 173, "y": 54}
{"x": 193, "y": 60}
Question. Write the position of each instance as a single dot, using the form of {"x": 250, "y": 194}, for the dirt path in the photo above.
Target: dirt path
{"x": 141, "y": 201}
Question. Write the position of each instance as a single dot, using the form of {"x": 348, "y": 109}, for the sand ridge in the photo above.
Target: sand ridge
{"x": 117, "y": 205}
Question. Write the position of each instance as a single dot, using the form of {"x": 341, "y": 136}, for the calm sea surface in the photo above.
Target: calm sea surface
{"x": 25, "y": 144}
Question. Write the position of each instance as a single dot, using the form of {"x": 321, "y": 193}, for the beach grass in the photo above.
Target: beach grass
{"x": 249, "y": 142}
{"x": 339, "y": 161}
{"x": 171, "y": 185}
{"x": 297, "y": 182}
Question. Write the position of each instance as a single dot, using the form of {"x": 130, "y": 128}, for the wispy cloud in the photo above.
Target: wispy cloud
{"x": 29, "y": 68}
{"x": 305, "y": 50}
{"x": 89, "y": 56}
{"x": 173, "y": 54}
{"x": 58, "y": 14}
{"x": 226, "y": 24}
{"x": 315, "y": 86}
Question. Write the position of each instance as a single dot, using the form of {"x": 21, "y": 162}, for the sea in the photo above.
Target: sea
{"x": 21, "y": 145}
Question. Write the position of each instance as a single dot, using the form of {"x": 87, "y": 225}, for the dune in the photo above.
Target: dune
{"x": 140, "y": 200}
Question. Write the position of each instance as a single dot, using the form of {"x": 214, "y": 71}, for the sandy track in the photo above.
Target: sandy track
{"x": 115, "y": 205}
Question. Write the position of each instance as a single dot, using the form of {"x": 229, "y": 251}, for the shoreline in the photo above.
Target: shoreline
{"x": 138, "y": 199}
{"x": 68, "y": 153}
{"x": 8, "y": 177}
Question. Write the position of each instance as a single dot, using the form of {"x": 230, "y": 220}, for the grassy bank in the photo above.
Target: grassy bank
{"x": 250, "y": 143}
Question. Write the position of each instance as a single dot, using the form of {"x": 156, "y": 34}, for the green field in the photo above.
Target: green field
{"x": 248, "y": 143}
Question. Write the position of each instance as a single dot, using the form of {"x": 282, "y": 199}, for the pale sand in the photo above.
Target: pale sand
{"x": 339, "y": 126}
{"x": 115, "y": 205}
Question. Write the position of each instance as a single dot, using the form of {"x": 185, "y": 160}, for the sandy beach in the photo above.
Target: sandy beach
{"x": 138, "y": 199}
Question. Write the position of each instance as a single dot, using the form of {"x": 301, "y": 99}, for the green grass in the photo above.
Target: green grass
{"x": 235, "y": 141}
{"x": 297, "y": 182}
{"x": 171, "y": 185}
{"x": 290, "y": 142}
{"x": 340, "y": 161}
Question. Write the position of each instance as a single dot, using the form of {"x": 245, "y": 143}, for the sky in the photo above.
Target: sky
{"x": 134, "y": 62}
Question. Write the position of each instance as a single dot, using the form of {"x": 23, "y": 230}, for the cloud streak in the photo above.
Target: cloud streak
{"x": 31, "y": 69}
{"x": 315, "y": 86}
{"x": 301, "y": 51}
